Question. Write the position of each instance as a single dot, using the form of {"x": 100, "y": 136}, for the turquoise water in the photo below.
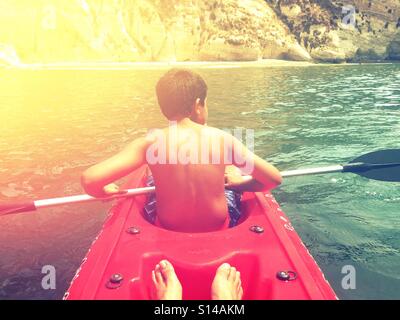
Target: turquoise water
{"x": 56, "y": 123}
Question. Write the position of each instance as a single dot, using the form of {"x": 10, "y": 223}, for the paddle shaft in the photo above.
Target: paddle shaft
{"x": 46, "y": 203}
{"x": 384, "y": 162}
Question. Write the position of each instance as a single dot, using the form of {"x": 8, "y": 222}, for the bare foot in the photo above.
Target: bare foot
{"x": 227, "y": 284}
{"x": 166, "y": 285}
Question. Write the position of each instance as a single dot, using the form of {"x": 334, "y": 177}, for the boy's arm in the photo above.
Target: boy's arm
{"x": 266, "y": 173}
{"x": 95, "y": 178}
{"x": 261, "y": 171}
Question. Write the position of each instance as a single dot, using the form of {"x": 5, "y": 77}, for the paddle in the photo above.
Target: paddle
{"x": 381, "y": 165}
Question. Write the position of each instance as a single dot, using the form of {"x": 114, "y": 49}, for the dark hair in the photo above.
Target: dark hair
{"x": 178, "y": 90}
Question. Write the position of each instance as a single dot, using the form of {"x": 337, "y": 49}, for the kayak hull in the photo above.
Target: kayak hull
{"x": 120, "y": 260}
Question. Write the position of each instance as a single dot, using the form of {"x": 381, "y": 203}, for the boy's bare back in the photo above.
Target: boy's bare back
{"x": 190, "y": 194}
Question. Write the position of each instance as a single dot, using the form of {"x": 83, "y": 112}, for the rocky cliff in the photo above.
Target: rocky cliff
{"x": 344, "y": 30}
{"x": 52, "y": 31}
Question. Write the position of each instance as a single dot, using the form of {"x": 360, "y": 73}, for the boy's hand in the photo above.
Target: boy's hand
{"x": 112, "y": 189}
{"x": 233, "y": 179}
{"x": 236, "y": 182}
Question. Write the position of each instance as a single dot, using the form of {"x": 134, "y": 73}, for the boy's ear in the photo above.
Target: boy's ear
{"x": 197, "y": 106}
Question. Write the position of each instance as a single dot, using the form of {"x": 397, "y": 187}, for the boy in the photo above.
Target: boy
{"x": 188, "y": 161}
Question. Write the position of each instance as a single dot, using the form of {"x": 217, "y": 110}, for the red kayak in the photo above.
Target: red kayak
{"x": 264, "y": 247}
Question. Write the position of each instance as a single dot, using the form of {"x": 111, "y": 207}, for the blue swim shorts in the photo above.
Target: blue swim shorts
{"x": 233, "y": 200}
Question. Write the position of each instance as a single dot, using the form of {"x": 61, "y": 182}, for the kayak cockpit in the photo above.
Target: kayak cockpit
{"x": 262, "y": 246}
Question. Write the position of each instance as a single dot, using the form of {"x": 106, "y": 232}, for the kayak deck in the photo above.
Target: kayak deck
{"x": 120, "y": 260}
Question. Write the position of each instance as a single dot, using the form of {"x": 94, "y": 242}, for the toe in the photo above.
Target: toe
{"x": 224, "y": 270}
{"x": 167, "y": 269}
{"x": 240, "y": 293}
{"x": 232, "y": 274}
{"x": 159, "y": 277}
{"x": 165, "y": 264}
{"x": 239, "y": 284}
{"x": 237, "y": 279}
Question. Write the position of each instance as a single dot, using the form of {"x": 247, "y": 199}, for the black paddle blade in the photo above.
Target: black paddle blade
{"x": 383, "y": 165}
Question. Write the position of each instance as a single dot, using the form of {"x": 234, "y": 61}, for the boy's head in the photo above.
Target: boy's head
{"x": 182, "y": 93}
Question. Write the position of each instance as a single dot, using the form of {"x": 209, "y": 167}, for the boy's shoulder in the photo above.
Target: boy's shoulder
{"x": 219, "y": 133}
{"x": 216, "y": 132}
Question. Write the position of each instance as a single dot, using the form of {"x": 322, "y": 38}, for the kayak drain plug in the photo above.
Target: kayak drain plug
{"x": 133, "y": 230}
{"x": 286, "y": 275}
{"x": 256, "y": 229}
{"x": 115, "y": 281}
